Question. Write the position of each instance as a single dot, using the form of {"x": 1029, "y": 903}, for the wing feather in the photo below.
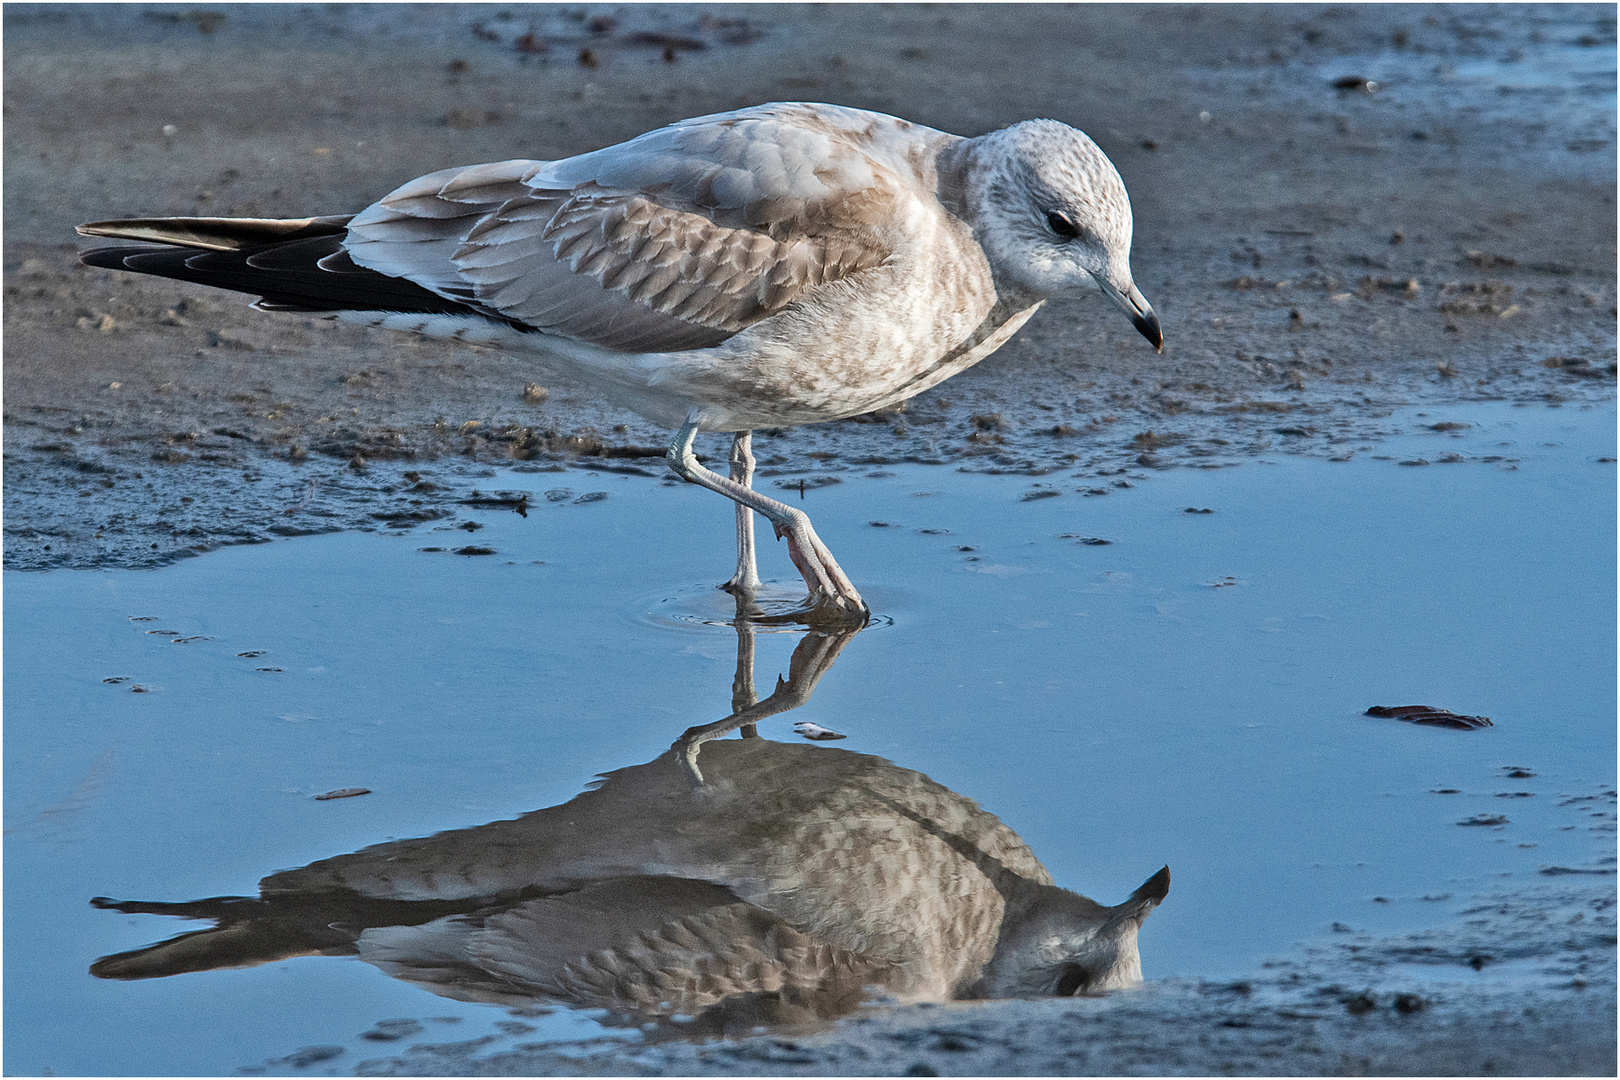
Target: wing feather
{"x": 216, "y": 234}
{"x": 675, "y": 240}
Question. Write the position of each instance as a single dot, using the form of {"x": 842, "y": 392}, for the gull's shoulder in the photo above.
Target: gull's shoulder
{"x": 803, "y": 153}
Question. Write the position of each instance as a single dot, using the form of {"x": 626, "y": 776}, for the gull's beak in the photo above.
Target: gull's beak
{"x": 1134, "y": 304}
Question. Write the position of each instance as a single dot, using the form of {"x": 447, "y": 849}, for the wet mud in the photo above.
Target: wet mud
{"x": 1318, "y": 254}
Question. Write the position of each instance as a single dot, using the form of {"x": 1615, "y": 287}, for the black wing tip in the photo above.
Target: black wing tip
{"x": 289, "y": 275}
{"x": 110, "y": 258}
{"x": 96, "y": 257}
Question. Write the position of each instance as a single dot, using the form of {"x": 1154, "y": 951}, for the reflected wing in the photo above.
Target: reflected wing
{"x": 656, "y": 946}
{"x": 675, "y": 240}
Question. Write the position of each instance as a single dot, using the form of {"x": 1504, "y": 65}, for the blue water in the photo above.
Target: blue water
{"x": 1189, "y": 694}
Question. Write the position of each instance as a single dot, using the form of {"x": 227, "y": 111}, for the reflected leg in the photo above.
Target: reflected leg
{"x": 812, "y": 657}
{"x": 743, "y": 694}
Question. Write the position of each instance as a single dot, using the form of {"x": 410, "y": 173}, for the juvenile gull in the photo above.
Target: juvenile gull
{"x": 782, "y": 264}
{"x": 803, "y": 880}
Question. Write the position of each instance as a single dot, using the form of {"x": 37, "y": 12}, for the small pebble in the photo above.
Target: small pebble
{"x": 305, "y": 1056}
{"x": 387, "y": 1030}
{"x": 1356, "y": 82}
{"x": 1484, "y": 819}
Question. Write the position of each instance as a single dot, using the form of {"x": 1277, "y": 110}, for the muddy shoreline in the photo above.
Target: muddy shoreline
{"x": 1319, "y": 255}
{"x": 1348, "y": 1006}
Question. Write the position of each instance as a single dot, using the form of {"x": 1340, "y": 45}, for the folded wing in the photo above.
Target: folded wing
{"x": 675, "y": 240}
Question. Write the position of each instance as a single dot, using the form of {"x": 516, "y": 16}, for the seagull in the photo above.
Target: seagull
{"x": 805, "y": 877}
{"x": 784, "y": 264}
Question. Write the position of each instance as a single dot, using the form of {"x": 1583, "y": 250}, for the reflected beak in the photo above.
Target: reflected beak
{"x": 1134, "y": 304}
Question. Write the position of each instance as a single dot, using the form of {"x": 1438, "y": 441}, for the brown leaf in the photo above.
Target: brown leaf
{"x": 1431, "y": 716}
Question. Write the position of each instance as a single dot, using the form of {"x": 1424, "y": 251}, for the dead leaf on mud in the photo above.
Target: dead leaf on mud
{"x": 1431, "y": 716}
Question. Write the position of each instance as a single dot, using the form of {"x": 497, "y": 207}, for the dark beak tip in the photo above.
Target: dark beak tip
{"x": 1148, "y": 327}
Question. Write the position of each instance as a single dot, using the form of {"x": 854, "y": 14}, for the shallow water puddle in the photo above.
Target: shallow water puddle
{"x": 1189, "y": 693}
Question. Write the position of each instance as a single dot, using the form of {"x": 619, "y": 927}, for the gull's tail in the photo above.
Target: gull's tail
{"x": 216, "y": 234}
{"x": 252, "y": 931}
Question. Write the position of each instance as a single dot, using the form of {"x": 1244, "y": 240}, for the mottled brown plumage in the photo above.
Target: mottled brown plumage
{"x": 798, "y": 872}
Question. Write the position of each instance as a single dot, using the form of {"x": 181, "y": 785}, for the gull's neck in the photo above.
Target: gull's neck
{"x": 965, "y": 171}
{"x": 954, "y": 167}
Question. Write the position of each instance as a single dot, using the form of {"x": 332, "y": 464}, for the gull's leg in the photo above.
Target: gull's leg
{"x": 829, "y": 587}
{"x": 745, "y": 582}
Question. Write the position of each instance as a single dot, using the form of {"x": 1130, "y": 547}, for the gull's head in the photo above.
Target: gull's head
{"x": 1060, "y": 944}
{"x": 1053, "y": 216}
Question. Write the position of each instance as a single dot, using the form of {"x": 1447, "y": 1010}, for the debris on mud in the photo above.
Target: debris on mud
{"x": 1431, "y": 716}
{"x": 816, "y": 732}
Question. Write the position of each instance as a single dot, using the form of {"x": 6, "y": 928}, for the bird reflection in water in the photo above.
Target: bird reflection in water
{"x": 778, "y": 884}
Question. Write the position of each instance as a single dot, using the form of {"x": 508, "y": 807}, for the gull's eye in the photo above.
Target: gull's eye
{"x": 1060, "y": 223}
